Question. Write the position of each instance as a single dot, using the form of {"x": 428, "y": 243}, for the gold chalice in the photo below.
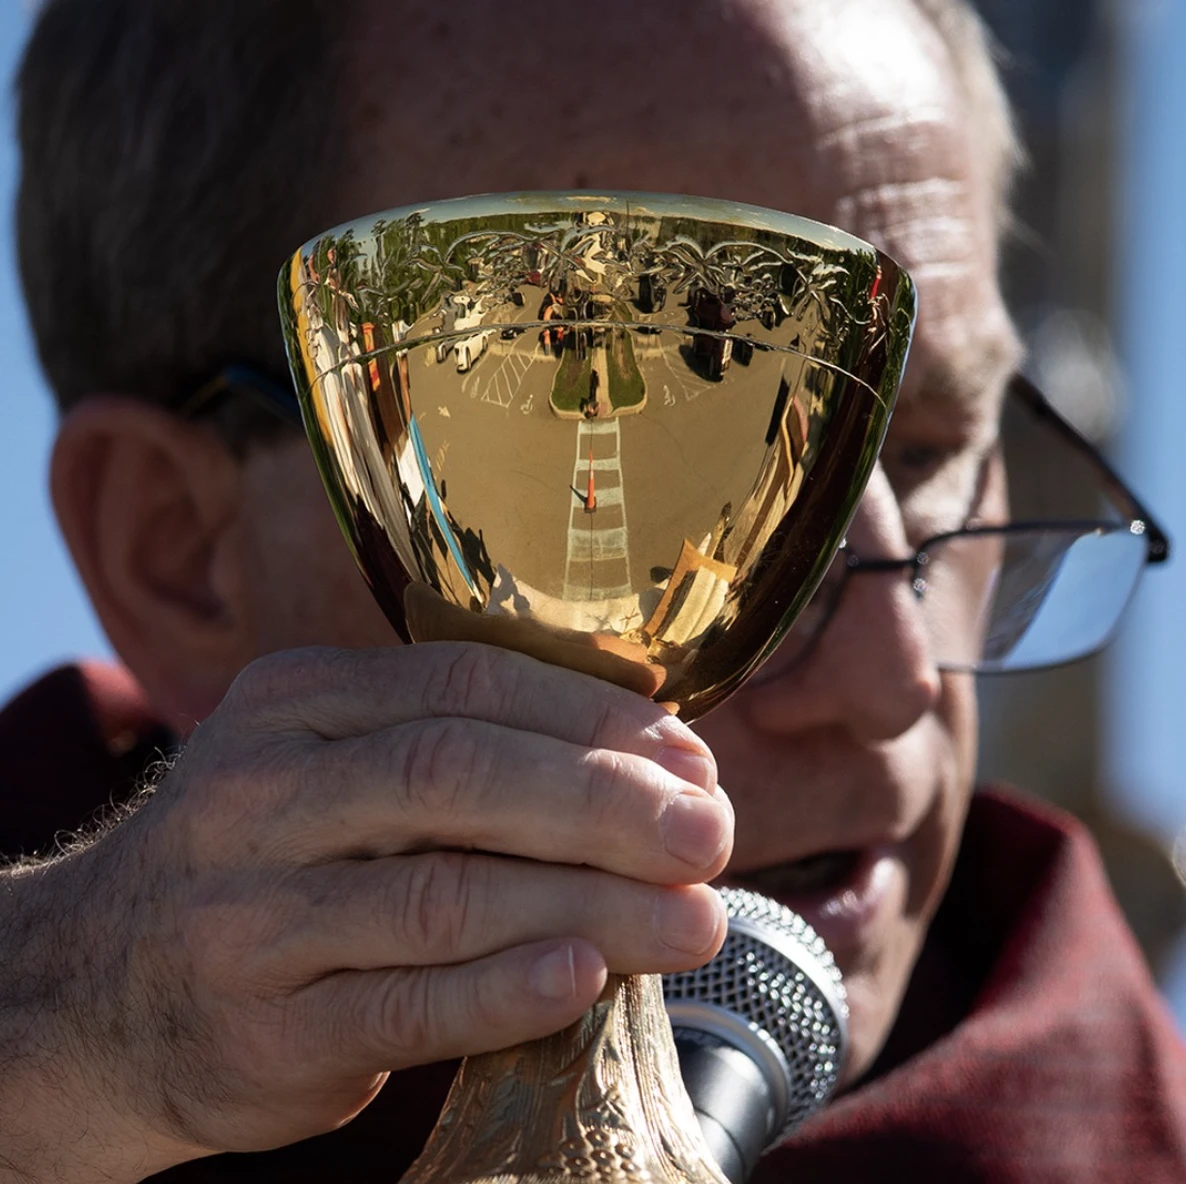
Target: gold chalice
{"x": 623, "y": 433}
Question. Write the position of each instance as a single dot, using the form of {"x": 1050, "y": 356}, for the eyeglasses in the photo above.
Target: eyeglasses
{"x": 1026, "y": 594}
{"x": 1031, "y": 593}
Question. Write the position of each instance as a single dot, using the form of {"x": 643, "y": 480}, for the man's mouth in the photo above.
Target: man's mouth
{"x": 822, "y": 873}
{"x": 842, "y": 895}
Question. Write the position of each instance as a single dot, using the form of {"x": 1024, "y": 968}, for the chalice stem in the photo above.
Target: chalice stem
{"x": 601, "y": 1101}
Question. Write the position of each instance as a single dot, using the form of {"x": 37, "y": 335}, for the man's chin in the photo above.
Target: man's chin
{"x": 858, "y": 910}
{"x": 872, "y": 1008}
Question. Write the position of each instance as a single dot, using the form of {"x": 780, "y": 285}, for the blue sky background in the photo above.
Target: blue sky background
{"x": 1147, "y": 705}
{"x": 47, "y": 620}
{"x": 1145, "y": 750}
{"x": 45, "y": 616}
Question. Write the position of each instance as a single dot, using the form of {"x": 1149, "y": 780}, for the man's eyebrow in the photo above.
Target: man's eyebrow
{"x": 979, "y": 372}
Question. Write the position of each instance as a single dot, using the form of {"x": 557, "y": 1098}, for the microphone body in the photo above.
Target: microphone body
{"x": 761, "y": 1031}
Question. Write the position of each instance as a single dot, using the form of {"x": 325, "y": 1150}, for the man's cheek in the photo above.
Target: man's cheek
{"x": 938, "y": 842}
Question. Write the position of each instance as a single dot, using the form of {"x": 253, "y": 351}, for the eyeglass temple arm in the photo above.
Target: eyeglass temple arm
{"x": 268, "y": 392}
{"x": 1157, "y": 539}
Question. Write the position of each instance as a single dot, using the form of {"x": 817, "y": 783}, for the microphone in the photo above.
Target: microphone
{"x": 761, "y": 1031}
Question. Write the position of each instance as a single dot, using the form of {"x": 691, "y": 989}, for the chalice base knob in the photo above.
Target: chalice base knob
{"x": 601, "y": 1102}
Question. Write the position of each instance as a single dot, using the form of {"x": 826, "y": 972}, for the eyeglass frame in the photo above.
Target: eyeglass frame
{"x": 1133, "y": 517}
{"x": 1139, "y": 522}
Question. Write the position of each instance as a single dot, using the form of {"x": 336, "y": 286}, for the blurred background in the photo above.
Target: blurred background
{"x": 1093, "y": 269}
{"x": 1091, "y": 272}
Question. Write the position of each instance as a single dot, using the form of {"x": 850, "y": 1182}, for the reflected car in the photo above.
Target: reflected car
{"x": 470, "y": 349}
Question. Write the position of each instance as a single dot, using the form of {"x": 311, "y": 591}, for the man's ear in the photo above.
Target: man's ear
{"x": 150, "y": 508}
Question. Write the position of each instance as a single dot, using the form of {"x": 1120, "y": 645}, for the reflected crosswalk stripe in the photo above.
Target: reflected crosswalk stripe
{"x": 589, "y": 543}
{"x": 599, "y": 544}
{"x": 600, "y": 427}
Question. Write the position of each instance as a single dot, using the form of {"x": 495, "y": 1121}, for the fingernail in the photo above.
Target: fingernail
{"x": 683, "y": 922}
{"x": 689, "y": 766}
{"x": 554, "y": 974}
{"x": 695, "y": 829}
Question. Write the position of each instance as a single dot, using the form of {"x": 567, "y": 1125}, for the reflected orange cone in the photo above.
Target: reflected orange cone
{"x": 590, "y": 495}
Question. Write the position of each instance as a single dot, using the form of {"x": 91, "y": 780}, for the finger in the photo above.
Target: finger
{"x": 446, "y": 908}
{"x": 344, "y": 693}
{"x": 371, "y": 1021}
{"x": 480, "y": 786}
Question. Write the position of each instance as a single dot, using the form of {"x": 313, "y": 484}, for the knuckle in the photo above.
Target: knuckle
{"x": 236, "y": 790}
{"x": 465, "y": 675}
{"x": 439, "y": 763}
{"x": 611, "y": 782}
{"x": 259, "y": 684}
{"x": 436, "y": 901}
{"x": 482, "y": 1003}
{"x": 623, "y": 720}
{"x": 406, "y": 1016}
{"x": 280, "y": 677}
{"x": 423, "y": 1015}
{"x": 609, "y": 723}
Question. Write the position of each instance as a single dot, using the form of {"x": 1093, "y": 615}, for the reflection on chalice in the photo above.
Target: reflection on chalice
{"x": 623, "y": 433}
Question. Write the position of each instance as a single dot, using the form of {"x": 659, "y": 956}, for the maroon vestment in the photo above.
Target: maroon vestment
{"x": 1032, "y": 1045}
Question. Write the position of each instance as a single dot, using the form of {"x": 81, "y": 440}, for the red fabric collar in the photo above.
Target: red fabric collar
{"x": 73, "y": 742}
{"x": 1066, "y": 1065}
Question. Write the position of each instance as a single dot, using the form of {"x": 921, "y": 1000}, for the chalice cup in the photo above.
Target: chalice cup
{"x": 623, "y": 433}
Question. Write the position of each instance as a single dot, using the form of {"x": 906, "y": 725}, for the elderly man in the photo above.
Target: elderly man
{"x": 370, "y": 859}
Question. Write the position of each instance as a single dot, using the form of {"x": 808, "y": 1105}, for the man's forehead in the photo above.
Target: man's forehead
{"x": 728, "y": 98}
{"x": 860, "y": 63}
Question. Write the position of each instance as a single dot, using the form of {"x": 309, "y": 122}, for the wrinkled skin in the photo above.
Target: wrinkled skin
{"x": 319, "y": 892}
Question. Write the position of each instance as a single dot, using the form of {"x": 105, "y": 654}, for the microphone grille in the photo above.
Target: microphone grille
{"x": 776, "y": 974}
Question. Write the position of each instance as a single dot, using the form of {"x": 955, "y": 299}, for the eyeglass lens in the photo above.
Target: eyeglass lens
{"x": 1033, "y": 592}
{"x": 1026, "y": 598}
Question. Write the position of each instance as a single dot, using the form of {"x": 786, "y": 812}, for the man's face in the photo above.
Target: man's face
{"x": 850, "y": 770}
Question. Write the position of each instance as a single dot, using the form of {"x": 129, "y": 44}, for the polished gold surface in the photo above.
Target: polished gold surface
{"x": 601, "y": 1101}
{"x": 623, "y": 433}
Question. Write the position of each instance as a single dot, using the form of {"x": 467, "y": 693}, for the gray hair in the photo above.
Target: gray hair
{"x": 975, "y": 58}
{"x": 166, "y": 150}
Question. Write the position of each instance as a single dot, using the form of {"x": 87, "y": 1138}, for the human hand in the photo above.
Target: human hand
{"x": 367, "y": 860}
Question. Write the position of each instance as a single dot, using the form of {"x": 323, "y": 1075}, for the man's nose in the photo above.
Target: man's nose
{"x": 872, "y": 671}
